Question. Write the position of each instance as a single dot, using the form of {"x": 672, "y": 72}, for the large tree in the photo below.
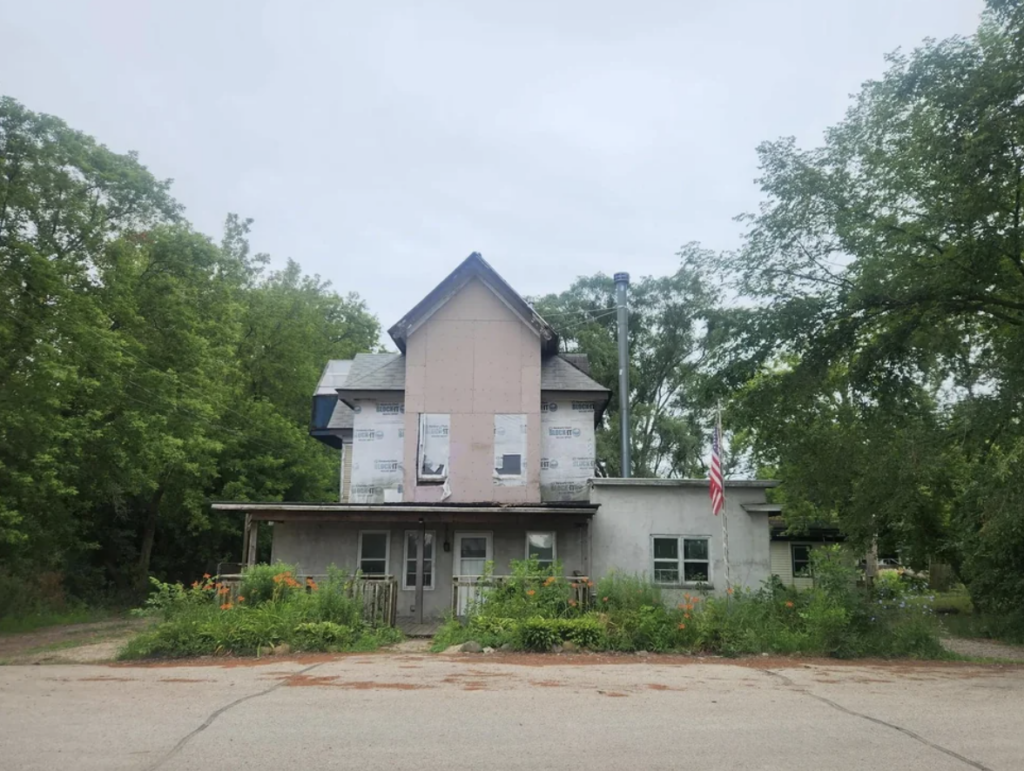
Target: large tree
{"x": 144, "y": 368}
{"x": 671, "y": 331}
{"x": 886, "y": 330}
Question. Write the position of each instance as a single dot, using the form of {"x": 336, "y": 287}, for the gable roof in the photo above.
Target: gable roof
{"x": 472, "y": 267}
{"x": 386, "y": 372}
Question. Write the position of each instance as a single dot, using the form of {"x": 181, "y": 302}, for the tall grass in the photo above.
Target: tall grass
{"x": 272, "y": 608}
{"x": 836, "y": 618}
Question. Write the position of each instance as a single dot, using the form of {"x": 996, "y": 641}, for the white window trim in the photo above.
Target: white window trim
{"x": 681, "y": 560}
{"x": 554, "y": 543}
{"x": 420, "y": 476}
{"x": 405, "y": 560}
{"x": 387, "y": 551}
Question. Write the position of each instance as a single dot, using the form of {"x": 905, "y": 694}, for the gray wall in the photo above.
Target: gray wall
{"x": 314, "y": 547}
{"x": 630, "y": 514}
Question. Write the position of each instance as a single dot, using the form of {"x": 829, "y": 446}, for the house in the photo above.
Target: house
{"x": 475, "y": 444}
{"x": 791, "y": 551}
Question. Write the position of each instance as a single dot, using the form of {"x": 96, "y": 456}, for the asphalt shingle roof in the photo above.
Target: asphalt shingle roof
{"x": 386, "y": 372}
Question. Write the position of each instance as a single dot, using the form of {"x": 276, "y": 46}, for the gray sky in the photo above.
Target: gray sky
{"x": 378, "y": 143}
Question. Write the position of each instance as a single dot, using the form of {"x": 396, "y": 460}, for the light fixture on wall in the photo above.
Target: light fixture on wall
{"x": 447, "y": 546}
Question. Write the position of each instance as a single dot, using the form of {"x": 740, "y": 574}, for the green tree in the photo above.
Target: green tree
{"x": 886, "y": 333}
{"x": 672, "y": 322}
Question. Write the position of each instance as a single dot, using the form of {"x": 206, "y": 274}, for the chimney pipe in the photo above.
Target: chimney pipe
{"x": 621, "y": 298}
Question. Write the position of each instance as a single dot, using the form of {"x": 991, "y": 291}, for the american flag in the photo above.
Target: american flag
{"x": 717, "y": 488}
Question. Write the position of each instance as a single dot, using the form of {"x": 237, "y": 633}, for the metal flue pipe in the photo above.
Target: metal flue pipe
{"x": 621, "y": 302}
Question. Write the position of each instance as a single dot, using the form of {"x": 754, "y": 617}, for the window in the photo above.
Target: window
{"x": 666, "y": 560}
{"x": 409, "y": 576}
{"x": 541, "y": 546}
{"x": 433, "y": 448}
{"x": 801, "y": 560}
{"x": 373, "y": 552}
{"x": 509, "y": 449}
{"x": 696, "y": 563}
{"x": 679, "y": 559}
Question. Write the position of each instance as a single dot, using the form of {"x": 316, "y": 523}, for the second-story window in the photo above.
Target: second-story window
{"x": 432, "y": 463}
{"x": 509, "y": 449}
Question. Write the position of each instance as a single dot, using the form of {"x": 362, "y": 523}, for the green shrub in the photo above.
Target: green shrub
{"x": 322, "y": 636}
{"x": 537, "y": 634}
{"x": 619, "y": 591}
{"x": 276, "y": 608}
{"x": 265, "y": 583}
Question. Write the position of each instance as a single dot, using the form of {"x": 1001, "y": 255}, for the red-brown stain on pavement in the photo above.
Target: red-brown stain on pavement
{"x": 658, "y": 687}
{"x": 105, "y": 679}
{"x": 613, "y": 694}
{"x": 184, "y": 680}
{"x": 546, "y": 683}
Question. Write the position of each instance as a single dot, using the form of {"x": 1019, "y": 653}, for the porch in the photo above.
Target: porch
{"x": 438, "y": 552}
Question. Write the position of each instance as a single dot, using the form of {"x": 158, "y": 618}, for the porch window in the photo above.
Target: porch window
{"x": 542, "y": 547}
{"x": 801, "y": 560}
{"x": 409, "y": 576}
{"x": 509, "y": 449}
{"x": 432, "y": 462}
{"x": 681, "y": 559}
{"x": 374, "y": 550}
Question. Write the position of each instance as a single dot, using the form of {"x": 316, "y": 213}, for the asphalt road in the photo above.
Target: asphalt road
{"x": 397, "y": 711}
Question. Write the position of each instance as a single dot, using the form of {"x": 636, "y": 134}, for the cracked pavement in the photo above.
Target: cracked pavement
{"x": 395, "y": 710}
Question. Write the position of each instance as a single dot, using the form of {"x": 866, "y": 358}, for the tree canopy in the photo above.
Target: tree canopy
{"x": 144, "y": 368}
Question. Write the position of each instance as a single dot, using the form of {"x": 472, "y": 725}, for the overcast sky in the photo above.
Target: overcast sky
{"x": 379, "y": 143}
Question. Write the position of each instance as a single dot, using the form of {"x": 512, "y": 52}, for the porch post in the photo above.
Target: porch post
{"x": 420, "y": 543}
{"x": 245, "y": 538}
{"x": 250, "y": 559}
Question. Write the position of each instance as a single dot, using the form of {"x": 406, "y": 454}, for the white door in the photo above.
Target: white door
{"x": 472, "y": 552}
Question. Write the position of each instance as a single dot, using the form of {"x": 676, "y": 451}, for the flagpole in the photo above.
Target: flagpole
{"x": 725, "y": 512}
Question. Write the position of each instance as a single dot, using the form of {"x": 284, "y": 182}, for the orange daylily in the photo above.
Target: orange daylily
{"x": 729, "y": 590}
{"x": 206, "y": 575}
{"x": 241, "y": 598}
{"x": 573, "y": 603}
{"x": 530, "y": 592}
{"x": 605, "y": 599}
{"x": 789, "y": 603}
{"x": 195, "y": 584}
{"x": 226, "y": 606}
{"x": 682, "y": 626}
{"x": 686, "y": 615}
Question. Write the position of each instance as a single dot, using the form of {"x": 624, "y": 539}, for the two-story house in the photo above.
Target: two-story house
{"x": 475, "y": 443}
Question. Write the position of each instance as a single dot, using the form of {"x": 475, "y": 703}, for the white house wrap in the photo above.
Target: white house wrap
{"x": 379, "y": 435}
{"x": 567, "y": 449}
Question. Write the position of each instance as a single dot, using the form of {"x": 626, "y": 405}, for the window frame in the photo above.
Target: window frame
{"x": 554, "y": 545}
{"x": 387, "y": 551}
{"x": 681, "y": 561}
{"x": 406, "y": 587}
{"x": 522, "y": 454}
{"x": 421, "y": 477}
{"x": 806, "y": 573}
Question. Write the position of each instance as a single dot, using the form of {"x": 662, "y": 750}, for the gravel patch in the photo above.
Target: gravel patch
{"x": 983, "y": 649}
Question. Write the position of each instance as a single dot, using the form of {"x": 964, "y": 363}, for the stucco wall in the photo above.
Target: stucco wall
{"x": 630, "y": 515}
{"x": 314, "y": 547}
{"x": 473, "y": 358}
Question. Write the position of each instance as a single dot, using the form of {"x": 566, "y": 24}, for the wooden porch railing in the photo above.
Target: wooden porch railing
{"x": 379, "y": 594}
{"x": 471, "y": 588}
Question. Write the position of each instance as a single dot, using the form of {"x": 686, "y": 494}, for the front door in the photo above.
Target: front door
{"x": 472, "y": 552}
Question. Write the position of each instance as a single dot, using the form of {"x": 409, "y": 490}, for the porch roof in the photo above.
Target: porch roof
{"x": 495, "y": 513}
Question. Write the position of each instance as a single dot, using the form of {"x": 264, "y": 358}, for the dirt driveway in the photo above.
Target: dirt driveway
{"x": 407, "y": 710}
{"x": 73, "y": 643}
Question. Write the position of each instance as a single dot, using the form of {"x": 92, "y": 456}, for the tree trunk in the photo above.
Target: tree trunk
{"x": 148, "y": 536}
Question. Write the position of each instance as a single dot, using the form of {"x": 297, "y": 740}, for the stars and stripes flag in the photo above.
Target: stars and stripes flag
{"x": 717, "y": 487}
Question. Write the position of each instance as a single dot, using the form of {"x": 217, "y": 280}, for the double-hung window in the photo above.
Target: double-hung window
{"x": 681, "y": 559}
{"x": 374, "y": 550}
{"x": 541, "y": 546}
{"x": 409, "y": 575}
{"x": 801, "y": 560}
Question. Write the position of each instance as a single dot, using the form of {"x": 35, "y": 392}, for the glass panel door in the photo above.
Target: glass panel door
{"x": 472, "y": 551}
